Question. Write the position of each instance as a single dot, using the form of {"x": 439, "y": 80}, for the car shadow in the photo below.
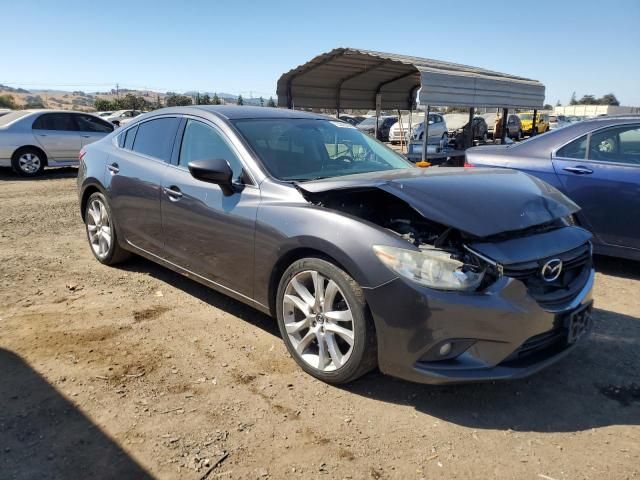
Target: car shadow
{"x": 203, "y": 293}
{"x": 43, "y": 435}
{"x": 7, "y": 174}
{"x": 596, "y": 385}
{"x": 617, "y": 267}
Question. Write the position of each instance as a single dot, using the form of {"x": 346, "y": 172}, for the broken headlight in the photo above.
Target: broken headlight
{"x": 431, "y": 267}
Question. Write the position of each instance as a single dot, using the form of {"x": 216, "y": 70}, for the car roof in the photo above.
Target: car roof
{"x": 234, "y": 112}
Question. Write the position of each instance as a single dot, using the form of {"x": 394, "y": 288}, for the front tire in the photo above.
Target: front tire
{"x": 28, "y": 162}
{"x": 324, "y": 321}
{"x": 101, "y": 231}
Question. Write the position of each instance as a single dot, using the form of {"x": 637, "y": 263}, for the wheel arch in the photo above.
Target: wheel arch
{"x": 87, "y": 191}
{"x": 45, "y": 158}
{"x": 286, "y": 260}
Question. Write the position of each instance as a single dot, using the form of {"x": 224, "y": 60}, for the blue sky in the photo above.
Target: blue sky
{"x": 588, "y": 46}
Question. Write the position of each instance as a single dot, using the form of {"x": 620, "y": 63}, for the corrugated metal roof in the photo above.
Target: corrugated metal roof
{"x": 351, "y": 78}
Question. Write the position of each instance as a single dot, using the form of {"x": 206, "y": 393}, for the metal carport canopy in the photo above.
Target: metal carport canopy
{"x": 351, "y": 78}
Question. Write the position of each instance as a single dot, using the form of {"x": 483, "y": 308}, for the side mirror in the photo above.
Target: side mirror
{"x": 215, "y": 171}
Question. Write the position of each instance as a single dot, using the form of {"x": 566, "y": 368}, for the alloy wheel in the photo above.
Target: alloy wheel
{"x": 99, "y": 228}
{"x": 29, "y": 163}
{"x": 318, "y": 321}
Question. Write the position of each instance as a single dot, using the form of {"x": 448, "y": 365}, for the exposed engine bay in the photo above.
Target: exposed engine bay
{"x": 388, "y": 211}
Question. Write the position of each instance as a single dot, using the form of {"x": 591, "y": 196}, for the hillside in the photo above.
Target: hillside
{"x": 79, "y": 100}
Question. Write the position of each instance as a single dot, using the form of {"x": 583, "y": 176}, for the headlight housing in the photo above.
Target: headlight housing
{"x": 431, "y": 267}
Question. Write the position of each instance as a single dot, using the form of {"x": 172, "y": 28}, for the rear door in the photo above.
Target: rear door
{"x": 205, "y": 231}
{"x": 58, "y": 135}
{"x": 92, "y": 128}
{"x": 601, "y": 173}
{"x": 134, "y": 179}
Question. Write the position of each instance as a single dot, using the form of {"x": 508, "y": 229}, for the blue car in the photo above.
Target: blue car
{"x": 596, "y": 163}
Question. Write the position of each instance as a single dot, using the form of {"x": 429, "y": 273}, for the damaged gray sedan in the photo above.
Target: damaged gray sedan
{"x": 433, "y": 275}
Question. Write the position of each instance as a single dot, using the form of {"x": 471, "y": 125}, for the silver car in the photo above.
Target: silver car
{"x": 122, "y": 117}
{"x": 437, "y": 129}
{"x": 33, "y": 139}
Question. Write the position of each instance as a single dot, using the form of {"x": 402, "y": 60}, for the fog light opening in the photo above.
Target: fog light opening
{"x": 445, "y": 349}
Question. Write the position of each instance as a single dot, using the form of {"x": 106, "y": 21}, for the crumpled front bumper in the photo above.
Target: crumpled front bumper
{"x": 413, "y": 321}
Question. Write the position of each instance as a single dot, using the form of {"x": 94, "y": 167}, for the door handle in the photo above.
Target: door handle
{"x": 42, "y": 134}
{"x": 85, "y": 136}
{"x": 173, "y": 192}
{"x": 113, "y": 168}
{"x": 580, "y": 170}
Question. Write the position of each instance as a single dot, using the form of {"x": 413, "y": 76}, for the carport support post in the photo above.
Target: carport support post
{"x": 534, "y": 130}
{"x": 425, "y": 135}
{"x": 503, "y": 135}
{"x": 378, "y": 105}
{"x": 470, "y": 142}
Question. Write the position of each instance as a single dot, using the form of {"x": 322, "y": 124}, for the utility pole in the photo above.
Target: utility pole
{"x": 118, "y": 90}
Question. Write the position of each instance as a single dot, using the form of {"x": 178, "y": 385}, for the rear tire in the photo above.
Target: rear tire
{"x": 327, "y": 328}
{"x": 101, "y": 231}
{"x": 28, "y": 162}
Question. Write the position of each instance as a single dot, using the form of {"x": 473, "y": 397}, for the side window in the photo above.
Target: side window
{"x": 203, "y": 142}
{"x": 618, "y": 144}
{"x": 129, "y": 137}
{"x": 155, "y": 137}
{"x": 87, "y": 123}
{"x": 56, "y": 121}
{"x": 576, "y": 149}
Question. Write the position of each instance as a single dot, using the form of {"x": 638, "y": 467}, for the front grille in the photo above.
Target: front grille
{"x": 576, "y": 266}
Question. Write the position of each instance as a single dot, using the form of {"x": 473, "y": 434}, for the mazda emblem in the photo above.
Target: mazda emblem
{"x": 551, "y": 270}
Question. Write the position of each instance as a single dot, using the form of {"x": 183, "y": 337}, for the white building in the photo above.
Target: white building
{"x": 595, "y": 110}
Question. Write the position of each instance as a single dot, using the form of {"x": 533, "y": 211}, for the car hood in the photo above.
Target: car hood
{"x": 480, "y": 202}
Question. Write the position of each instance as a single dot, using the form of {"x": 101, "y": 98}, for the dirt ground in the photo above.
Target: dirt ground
{"x": 137, "y": 372}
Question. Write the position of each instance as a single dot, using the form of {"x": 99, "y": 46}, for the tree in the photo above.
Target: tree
{"x": 588, "y": 100}
{"x": 271, "y": 103}
{"x": 261, "y": 102}
{"x": 547, "y": 106}
{"x": 573, "y": 100}
{"x": 240, "y": 100}
{"x": 178, "y": 101}
{"x": 609, "y": 99}
{"x": 7, "y": 101}
{"x": 216, "y": 99}
{"x": 102, "y": 105}
{"x": 206, "y": 99}
{"x": 558, "y": 104}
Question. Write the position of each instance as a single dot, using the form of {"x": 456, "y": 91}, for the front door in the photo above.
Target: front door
{"x": 601, "y": 173}
{"x": 58, "y": 135}
{"x": 205, "y": 231}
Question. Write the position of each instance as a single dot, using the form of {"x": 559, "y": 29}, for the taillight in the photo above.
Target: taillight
{"x": 468, "y": 165}
{"x": 81, "y": 155}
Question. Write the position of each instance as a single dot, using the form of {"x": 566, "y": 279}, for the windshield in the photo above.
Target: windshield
{"x": 525, "y": 116}
{"x": 12, "y": 117}
{"x": 371, "y": 121}
{"x": 296, "y": 149}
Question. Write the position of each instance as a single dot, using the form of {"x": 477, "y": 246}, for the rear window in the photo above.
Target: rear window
{"x": 129, "y": 137}
{"x": 12, "y": 117}
{"x": 576, "y": 149}
{"x": 155, "y": 137}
